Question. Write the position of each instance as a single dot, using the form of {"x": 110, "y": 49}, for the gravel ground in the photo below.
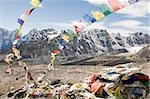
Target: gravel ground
{"x": 67, "y": 73}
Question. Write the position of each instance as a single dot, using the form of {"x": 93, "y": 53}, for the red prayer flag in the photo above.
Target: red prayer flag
{"x": 78, "y": 29}
{"x": 56, "y": 51}
{"x": 29, "y": 77}
{"x": 17, "y": 37}
{"x": 115, "y": 4}
{"x": 27, "y": 12}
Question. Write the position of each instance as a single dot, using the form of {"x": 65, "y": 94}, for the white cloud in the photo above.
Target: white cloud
{"x": 65, "y": 25}
{"x": 135, "y": 16}
{"x": 132, "y": 24}
{"x": 98, "y": 2}
{"x": 138, "y": 9}
{"x": 40, "y": 6}
{"x": 128, "y": 26}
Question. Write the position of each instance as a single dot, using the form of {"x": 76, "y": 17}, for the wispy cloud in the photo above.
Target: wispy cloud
{"x": 127, "y": 26}
{"x": 133, "y": 18}
{"x": 140, "y": 9}
{"x": 61, "y": 24}
{"x": 40, "y": 6}
{"x": 96, "y": 2}
{"x": 132, "y": 24}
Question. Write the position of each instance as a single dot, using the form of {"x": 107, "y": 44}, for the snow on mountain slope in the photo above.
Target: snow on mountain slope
{"x": 98, "y": 42}
{"x": 45, "y": 34}
{"x": 87, "y": 44}
{"x": 6, "y": 39}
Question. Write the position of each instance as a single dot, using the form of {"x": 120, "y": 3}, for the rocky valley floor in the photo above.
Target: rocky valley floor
{"x": 66, "y": 73}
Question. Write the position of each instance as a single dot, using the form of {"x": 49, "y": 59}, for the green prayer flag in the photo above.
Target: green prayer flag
{"x": 105, "y": 9}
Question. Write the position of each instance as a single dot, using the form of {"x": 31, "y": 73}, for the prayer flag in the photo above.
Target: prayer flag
{"x": 115, "y": 4}
{"x": 88, "y": 18}
{"x": 97, "y": 15}
{"x": 105, "y": 9}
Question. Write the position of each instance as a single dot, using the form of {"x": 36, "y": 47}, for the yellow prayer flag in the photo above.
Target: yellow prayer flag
{"x": 16, "y": 52}
{"x": 35, "y": 3}
{"x": 97, "y": 15}
{"x": 65, "y": 37}
{"x": 18, "y": 30}
{"x": 20, "y": 27}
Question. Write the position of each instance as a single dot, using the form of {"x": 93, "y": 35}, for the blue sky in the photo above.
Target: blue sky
{"x": 59, "y": 13}
{"x": 54, "y": 11}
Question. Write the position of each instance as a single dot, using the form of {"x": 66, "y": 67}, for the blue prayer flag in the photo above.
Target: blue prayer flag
{"x": 20, "y": 21}
{"x": 88, "y": 18}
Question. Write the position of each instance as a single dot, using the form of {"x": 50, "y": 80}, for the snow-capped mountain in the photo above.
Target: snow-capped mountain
{"x": 98, "y": 42}
{"x": 134, "y": 39}
{"x": 6, "y": 39}
{"x": 41, "y": 35}
{"x": 87, "y": 44}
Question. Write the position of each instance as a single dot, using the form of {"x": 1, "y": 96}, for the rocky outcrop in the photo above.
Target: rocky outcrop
{"x": 143, "y": 55}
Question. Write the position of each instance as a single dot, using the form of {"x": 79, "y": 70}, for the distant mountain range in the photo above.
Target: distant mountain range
{"x": 87, "y": 44}
{"x": 6, "y": 39}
